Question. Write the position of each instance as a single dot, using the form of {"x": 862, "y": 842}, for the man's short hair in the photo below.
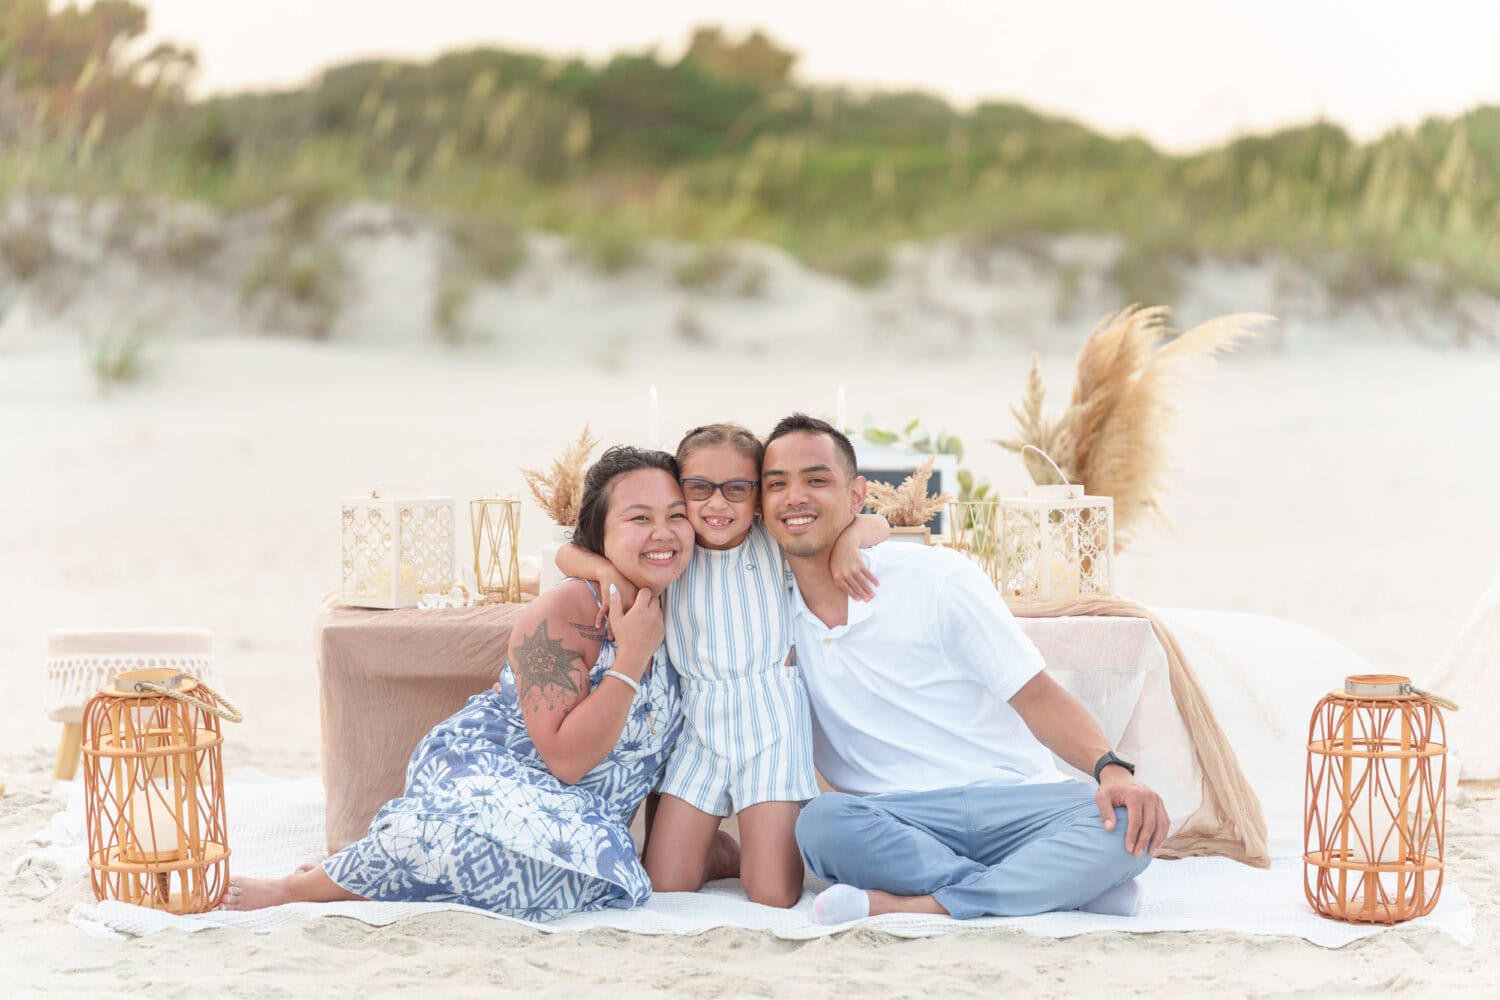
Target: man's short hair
{"x": 802, "y": 423}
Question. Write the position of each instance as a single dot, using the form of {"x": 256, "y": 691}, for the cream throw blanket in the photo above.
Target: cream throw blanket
{"x": 1229, "y": 822}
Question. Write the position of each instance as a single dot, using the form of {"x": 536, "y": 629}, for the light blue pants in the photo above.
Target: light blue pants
{"x": 1004, "y": 850}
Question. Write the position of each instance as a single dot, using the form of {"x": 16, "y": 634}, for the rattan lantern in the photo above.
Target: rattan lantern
{"x": 497, "y": 563}
{"x": 396, "y": 546}
{"x": 1055, "y": 542}
{"x": 1375, "y": 804}
{"x": 153, "y": 791}
{"x": 974, "y": 530}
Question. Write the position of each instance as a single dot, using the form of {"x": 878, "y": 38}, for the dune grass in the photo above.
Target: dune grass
{"x": 725, "y": 144}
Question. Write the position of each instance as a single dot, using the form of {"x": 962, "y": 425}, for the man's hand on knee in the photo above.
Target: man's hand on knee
{"x": 1146, "y": 819}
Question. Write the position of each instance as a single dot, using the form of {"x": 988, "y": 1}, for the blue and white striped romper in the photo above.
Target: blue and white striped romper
{"x": 747, "y": 732}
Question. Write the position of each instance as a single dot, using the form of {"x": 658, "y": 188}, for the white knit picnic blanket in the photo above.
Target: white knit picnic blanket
{"x": 277, "y": 823}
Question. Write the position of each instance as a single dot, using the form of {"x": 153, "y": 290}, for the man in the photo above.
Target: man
{"x": 934, "y": 719}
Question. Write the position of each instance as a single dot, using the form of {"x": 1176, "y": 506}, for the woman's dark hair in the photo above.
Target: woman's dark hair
{"x": 594, "y": 509}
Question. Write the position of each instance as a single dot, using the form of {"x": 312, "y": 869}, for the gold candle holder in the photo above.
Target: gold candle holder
{"x": 974, "y": 530}
{"x": 497, "y": 530}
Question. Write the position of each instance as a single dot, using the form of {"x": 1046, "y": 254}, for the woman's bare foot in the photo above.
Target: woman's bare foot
{"x": 257, "y": 893}
{"x": 309, "y": 884}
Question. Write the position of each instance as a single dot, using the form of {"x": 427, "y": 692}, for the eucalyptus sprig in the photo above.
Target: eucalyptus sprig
{"x": 918, "y": 438}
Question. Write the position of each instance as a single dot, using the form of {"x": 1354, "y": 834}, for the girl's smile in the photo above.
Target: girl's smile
{"x": 719, "y": 522}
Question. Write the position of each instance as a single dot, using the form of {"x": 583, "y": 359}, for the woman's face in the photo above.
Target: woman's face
{"x": 646, "y": 532}
{"x": 721, "y": 523}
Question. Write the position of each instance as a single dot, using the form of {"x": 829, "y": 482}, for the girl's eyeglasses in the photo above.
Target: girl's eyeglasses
{"x": 735, "y": 490}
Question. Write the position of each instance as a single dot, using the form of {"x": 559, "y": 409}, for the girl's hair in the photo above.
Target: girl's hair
{"x": 739, "y": 438}
{"x": 593, "y": 511}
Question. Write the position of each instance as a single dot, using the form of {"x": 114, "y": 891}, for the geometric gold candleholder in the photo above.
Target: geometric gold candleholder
{"x": 497, "y": 529}
{"x": 974, "y": 530}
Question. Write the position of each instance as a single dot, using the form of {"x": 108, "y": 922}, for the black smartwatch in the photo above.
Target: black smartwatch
{"x": 1108, "y": 759}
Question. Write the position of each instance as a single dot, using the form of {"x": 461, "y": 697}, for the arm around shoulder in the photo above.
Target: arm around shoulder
{"x": 585, "y": 565}
{"x": 848, "y": 566}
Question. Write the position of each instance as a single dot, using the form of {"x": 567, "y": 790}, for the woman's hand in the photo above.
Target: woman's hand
{"x": 849, "y": 569}
{"x": 611, "y": 580}
{"x": 638, "y": 631}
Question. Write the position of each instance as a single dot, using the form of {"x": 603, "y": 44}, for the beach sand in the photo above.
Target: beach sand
{"x": 1349, "y": 488}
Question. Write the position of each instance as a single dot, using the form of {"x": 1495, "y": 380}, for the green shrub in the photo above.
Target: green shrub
{"x": 302, "y": 287}
{"x": 610, "y": 246}
{"x": 494, "y": 247}
{"x": 863, "y": 266}
{"x": 705, "y": 268}
{"x": 454, "y": 294}
{"x": 118, "y": 357}
{"x": 1146, "y": 275}
{"x": 27, "y": 249}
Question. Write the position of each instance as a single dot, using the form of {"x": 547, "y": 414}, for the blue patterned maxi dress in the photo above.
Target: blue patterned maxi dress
{"x": 484, "y": 823}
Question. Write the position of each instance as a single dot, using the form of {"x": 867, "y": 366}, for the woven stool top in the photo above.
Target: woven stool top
{"x": 82, "y": 660}
{"x": 130, "y": 642}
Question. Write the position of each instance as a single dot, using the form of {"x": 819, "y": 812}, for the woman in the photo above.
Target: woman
{"x": 521, "y": 802}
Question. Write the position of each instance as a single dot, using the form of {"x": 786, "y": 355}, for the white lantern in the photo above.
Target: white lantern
{"x": 396, "y": 546}
{"x": 1056, "y": 543}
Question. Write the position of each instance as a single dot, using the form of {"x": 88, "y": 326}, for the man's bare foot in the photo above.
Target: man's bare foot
{"x": 723, "y": 857}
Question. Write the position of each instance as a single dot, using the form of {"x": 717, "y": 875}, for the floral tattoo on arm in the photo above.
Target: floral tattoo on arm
{"x": 544, "y": 671}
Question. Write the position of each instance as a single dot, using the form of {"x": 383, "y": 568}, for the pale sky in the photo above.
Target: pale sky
{"x": 1183, "y": 73}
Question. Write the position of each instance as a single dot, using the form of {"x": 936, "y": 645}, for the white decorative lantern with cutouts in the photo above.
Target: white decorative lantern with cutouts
{"x": 397, "y": 545}
{"x": 1055, "y": 542}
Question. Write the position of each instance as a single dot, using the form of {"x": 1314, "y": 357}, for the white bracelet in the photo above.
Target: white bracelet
{"x": 635, "y": 685}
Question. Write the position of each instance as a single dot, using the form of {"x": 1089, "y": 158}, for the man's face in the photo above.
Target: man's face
{"x": 807, "y": 498}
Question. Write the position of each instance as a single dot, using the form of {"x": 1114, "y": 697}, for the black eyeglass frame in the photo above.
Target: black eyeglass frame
{"x": 713, "y": 487}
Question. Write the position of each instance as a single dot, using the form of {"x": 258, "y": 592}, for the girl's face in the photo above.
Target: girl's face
{"x": 720, "y": 521}
{"x": 646, "y": 534}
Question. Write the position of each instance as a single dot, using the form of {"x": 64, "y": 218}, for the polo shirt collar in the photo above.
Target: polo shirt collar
{"x": 857, "y": 611}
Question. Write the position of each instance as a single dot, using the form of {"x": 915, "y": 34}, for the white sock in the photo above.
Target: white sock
{"x": 839, "y": 904}
{"x": 1124, "y": 900}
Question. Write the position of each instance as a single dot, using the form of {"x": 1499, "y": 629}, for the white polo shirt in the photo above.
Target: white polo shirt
{"x": 911, "y": 695}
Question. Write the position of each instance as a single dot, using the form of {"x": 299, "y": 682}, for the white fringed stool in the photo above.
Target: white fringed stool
{"x": 81, "y": 661}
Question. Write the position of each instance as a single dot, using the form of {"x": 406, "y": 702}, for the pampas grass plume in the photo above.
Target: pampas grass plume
{"x": 1112, "y": 437}
{"x": 559, "y": 491}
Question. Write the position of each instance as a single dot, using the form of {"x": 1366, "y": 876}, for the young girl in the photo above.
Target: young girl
{"x": 746, "y": 745}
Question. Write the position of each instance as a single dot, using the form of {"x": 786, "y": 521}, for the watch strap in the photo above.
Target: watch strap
{"x": 1108, "y": 759}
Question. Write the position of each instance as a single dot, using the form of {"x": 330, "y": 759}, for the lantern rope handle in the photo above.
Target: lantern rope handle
{"x": 228, "y": 712}
{"x": 1436, "y": 699}
{"x": 1060, "y": 474}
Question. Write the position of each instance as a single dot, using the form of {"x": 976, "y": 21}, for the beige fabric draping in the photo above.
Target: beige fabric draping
{"x": 1229, "y": 821}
